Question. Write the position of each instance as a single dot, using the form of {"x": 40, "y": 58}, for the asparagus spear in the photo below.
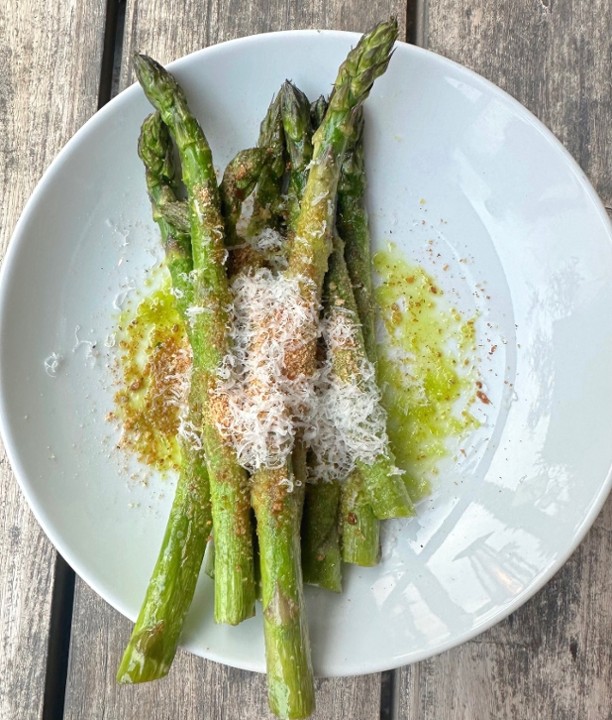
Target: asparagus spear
{"x": 318, "y": 108}
{"x": 314, "y": 227}
{"x": 384, "y": 484}
{"x": 321, "y": 558}
{"x": 155, "y": 151}
{"x": 352, "y": 223}
{"x": 313, "y": 242}
{"x": 308, "y": 262}
{"x": 155, "y": 636}
{"x": 176, "y": 212}
{"x": 359, "y": 527}
{"x": 239, "y": 181}
{"x": 267, "y": 206}
{"x": 295, "y": 113}
{"x": 320, "y": 547}
{"x": 278, "y": 508}
{"x": 234, "y": 572}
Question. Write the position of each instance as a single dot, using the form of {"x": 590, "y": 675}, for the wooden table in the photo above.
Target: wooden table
{"x": 59, "y": 642}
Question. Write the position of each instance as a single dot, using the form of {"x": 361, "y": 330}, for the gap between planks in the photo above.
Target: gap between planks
{"x": 62, "y": 600}
{"x": 63, "y": 592}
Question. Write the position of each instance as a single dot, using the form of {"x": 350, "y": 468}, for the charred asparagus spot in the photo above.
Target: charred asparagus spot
{"x": 234, "y": 571}
{"x": 318, "y": 108}
{"x": 176, "y": 213}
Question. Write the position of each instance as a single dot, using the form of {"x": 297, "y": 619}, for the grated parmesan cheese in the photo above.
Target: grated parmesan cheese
{"x": 261, "y": 402}
{"x": 349, "y": 422}
{"x": 265, "y": 402}
{"x": 52, "y": 364}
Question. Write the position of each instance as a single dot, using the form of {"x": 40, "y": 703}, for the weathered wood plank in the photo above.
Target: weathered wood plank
{"x": 168, "y": 29}
{"x": 152, "y": 26}
{"x": 48, "y": 57}
{"x": 552, "y": 658}
{"x": 194, "y": 688}
{"x": 552, "y": 55}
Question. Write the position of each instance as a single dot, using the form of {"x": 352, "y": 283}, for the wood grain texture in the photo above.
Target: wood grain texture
{"x": 193, "y": 689}
{"x": 552, "y": 659}
{"x": 151, "y": 25}
{"x": 196, "y": 688}
{"x": 48, "y": 55}
{"x": 554, "y": 56}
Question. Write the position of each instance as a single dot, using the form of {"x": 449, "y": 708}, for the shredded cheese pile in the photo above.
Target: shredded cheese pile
{"x": 349, "y": 423}
{"x": 272, "y": 245}
{"x": 265, "y": 395}
{"x": 264, "y": 404}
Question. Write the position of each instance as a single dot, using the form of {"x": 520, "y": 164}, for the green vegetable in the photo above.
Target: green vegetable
{"x": 196, "y": 236}
{"x": 234, "y": 572}
{"x": 359, "y": 527}
{"x": 295, "y": 113}
{"x": 277, "y": 500}
{"x": 316, "y": 220}
{"x": 321, "y": 558}
{"x": 239, "y": 181}
{"x": 280, "y": 559}
{"x": 384, "y": 484}
{"x": 318, "y": 108}
{"x": 354, "y": 229}
{"x": 155, "y": 636}
{"x": 267, "y": 205}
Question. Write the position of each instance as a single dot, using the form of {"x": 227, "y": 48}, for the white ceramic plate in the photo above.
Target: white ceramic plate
{"x": 460, "y": 175}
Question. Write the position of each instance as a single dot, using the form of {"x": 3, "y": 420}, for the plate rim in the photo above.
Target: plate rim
{"x": 19, "y": 237}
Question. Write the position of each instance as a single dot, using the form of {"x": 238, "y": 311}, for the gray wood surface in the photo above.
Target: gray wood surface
{"x": 551, "y": 660}
{"x": 554, "y": 56}
{"x": 47, "y": 53}
{"x": 196, "y": 688}
{"x": 151, "y": 25}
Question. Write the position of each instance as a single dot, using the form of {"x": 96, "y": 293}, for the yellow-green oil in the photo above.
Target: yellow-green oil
{"x": 154, "y": 360}
{"x": 424, "y": 369}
